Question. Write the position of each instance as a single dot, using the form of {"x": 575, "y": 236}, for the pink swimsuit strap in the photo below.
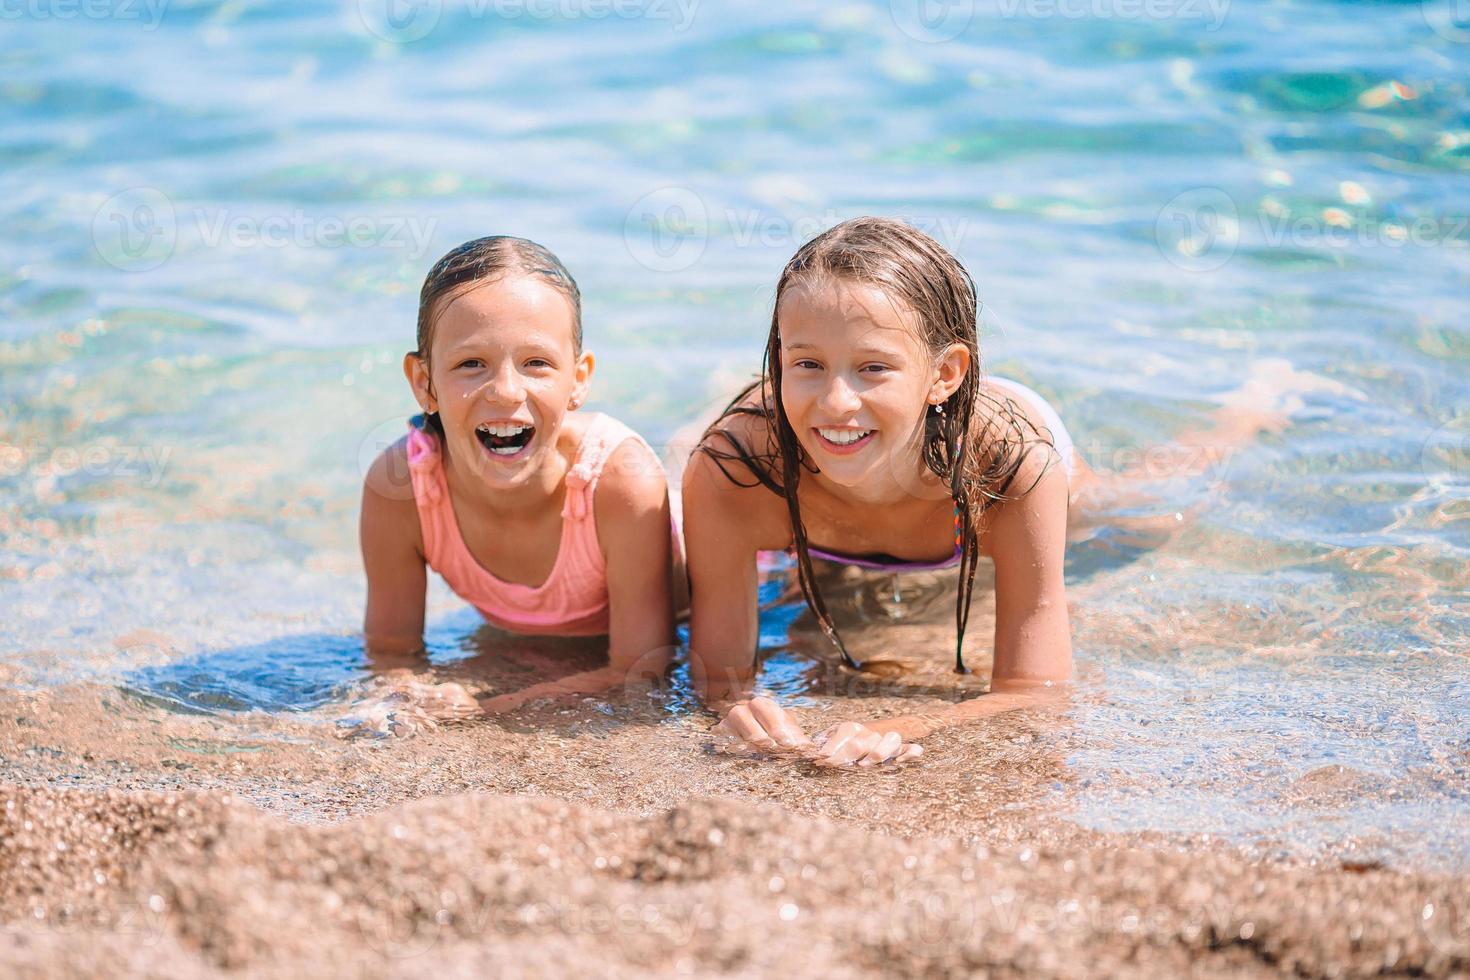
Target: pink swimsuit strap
{"x": 573, "y": 599}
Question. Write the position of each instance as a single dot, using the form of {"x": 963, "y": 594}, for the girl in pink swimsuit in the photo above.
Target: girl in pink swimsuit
{"x": 546, "y": 519}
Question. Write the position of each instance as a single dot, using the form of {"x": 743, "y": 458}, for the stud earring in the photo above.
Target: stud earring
{"x": 939, "y": 409}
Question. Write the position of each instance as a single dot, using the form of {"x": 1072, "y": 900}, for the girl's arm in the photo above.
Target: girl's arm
{"x": 392, "y": 555}
{"x": 724, "y": 528}
{"x": 1033, "y": 635}
{"x": 631, "y": 509}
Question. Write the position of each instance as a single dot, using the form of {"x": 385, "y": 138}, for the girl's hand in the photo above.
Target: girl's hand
{"x": 402, "y": 705}
{"x": 501, "y": 703}
{"x": 762, "y": 724}
{"x": 853, "y": 743}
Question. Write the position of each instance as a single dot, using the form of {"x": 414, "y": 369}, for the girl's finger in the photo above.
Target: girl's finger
{"x": 738, "y": 722}
{"x": 835, "y": 738}
{"x": 910, "y": 751}
{"x": 777, "y": 723}
{"x": 848, "y": 747}
{"x": 884, "y": 749}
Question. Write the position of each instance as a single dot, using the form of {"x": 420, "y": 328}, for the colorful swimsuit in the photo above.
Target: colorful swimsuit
{"x": 573, "y": 600}
{"x": 1061, "y": 439}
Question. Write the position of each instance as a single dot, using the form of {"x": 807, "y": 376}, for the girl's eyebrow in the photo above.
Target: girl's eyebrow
{"x": 865, "y": 349}
{"x": 539, "y": 345}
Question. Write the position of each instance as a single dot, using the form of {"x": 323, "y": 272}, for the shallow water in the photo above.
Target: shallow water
{"x": 212, "y": 231}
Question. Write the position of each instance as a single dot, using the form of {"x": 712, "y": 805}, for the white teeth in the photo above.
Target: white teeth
{"x": 843, "y": 437}
{"x": 504, "y": 429}
{"x": 505, "y": 450}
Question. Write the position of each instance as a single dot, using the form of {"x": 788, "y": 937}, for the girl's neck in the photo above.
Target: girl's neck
{"x": 921, "y": 488}
{"x": 544, "y": 491}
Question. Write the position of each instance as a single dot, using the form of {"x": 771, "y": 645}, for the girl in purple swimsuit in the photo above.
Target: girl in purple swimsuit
{"x": 874, "y": 439}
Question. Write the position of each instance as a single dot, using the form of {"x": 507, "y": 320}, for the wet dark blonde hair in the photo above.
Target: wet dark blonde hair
{"x": 977, "y": 454}
{"x": 483, "y": 260}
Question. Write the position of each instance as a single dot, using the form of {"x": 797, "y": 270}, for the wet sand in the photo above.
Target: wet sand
{"x": 607, "y": 837}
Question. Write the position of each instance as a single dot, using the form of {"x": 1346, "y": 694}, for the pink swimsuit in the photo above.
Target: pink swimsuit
{"x": 573, "y": 599}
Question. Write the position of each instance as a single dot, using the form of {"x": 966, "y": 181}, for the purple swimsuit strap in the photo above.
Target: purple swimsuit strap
{"x": 885, "y": 563}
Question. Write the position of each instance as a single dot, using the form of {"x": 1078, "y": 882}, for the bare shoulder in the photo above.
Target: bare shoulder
{"x": 1018, "y": 436}
{"x": 388, "y": 507}
{"x": 723, "y": 493}
{"x": 632, "y": 481}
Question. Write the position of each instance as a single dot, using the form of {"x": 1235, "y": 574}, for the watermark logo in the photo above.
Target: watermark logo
{"x": 148, "y": 12}
{"x": 136, "y": 230}
{"x": 1445, "y": 457}
{"x": 408, "y": 920}
{"x": 936, "y": 913}
{"x": 139, "y": 229}
{"x": 932, "y": 21}
{"x": 392, "y": 480}
{"x": 1211, "y": 12}
{"x": 406, "y": 21}
{"x": 400, "y": 21}
{"x": 143, "y": 464}
{"x": 1198, "y": 230}
{"x": 1450, "y": 19}
{"x": 667, "y": 230}
{"x": 1201, "y": 229}
{"x": 1445, "y": 922}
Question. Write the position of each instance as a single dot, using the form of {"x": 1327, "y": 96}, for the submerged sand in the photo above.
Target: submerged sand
{"x": 607, "y": 838}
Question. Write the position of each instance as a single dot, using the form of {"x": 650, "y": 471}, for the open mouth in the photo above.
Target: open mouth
{"x": 505, "y": 439}
{"x": 842, "y": 441}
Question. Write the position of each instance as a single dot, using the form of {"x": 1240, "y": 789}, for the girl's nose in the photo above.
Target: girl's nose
{"x": 505, "y": 386}
{"x": 839, "y": 398}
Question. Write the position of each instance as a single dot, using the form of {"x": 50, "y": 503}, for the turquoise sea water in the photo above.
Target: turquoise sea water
{"x": 214, "y": 219}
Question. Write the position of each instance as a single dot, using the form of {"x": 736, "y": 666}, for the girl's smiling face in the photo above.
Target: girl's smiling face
{"x": 857, "y": 381}
{"x": 502, "y": 373}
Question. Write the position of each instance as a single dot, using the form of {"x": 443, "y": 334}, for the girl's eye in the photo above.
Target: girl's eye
{"x": 471, "y": 362}
{"x": 808, "y": 365}
{"x": 875, "y": 367}
{"x": 538, "y": 362}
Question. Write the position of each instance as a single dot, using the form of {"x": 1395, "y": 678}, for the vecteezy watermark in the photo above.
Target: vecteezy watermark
{"x": 406, "y": 21}
{"x": 668, "y": 230}
{"x": 136, "y": 230}
{"x": 754, "y": 226}
{"x": 404, "y": 921}
{"x": 390, "y": 479}
{"x": 1201, "y": 229}
{"x": 1444, "y": 919}
{"x": 933, "y": 915}
{"x": 400, "y": 21}
{"x": 932, "y": 21}
{"x": 144, "y": 464}
{"x": 143, "y": 923}
{"x": 140, "y": 228}
{"x": 1445, "y": 457}
{"x": 1450, "y": 19}
{"x": 147, "y": 12}
{"x": 1211, "y": 12}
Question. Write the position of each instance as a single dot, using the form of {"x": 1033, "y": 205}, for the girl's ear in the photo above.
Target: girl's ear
{"x": 416, "y": 370}
{"x": 582, "y": 383}
{"x": 953, "y": 365}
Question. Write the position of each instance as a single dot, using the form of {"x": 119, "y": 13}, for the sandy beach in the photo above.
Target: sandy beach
{"x": 565, "y": 838}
